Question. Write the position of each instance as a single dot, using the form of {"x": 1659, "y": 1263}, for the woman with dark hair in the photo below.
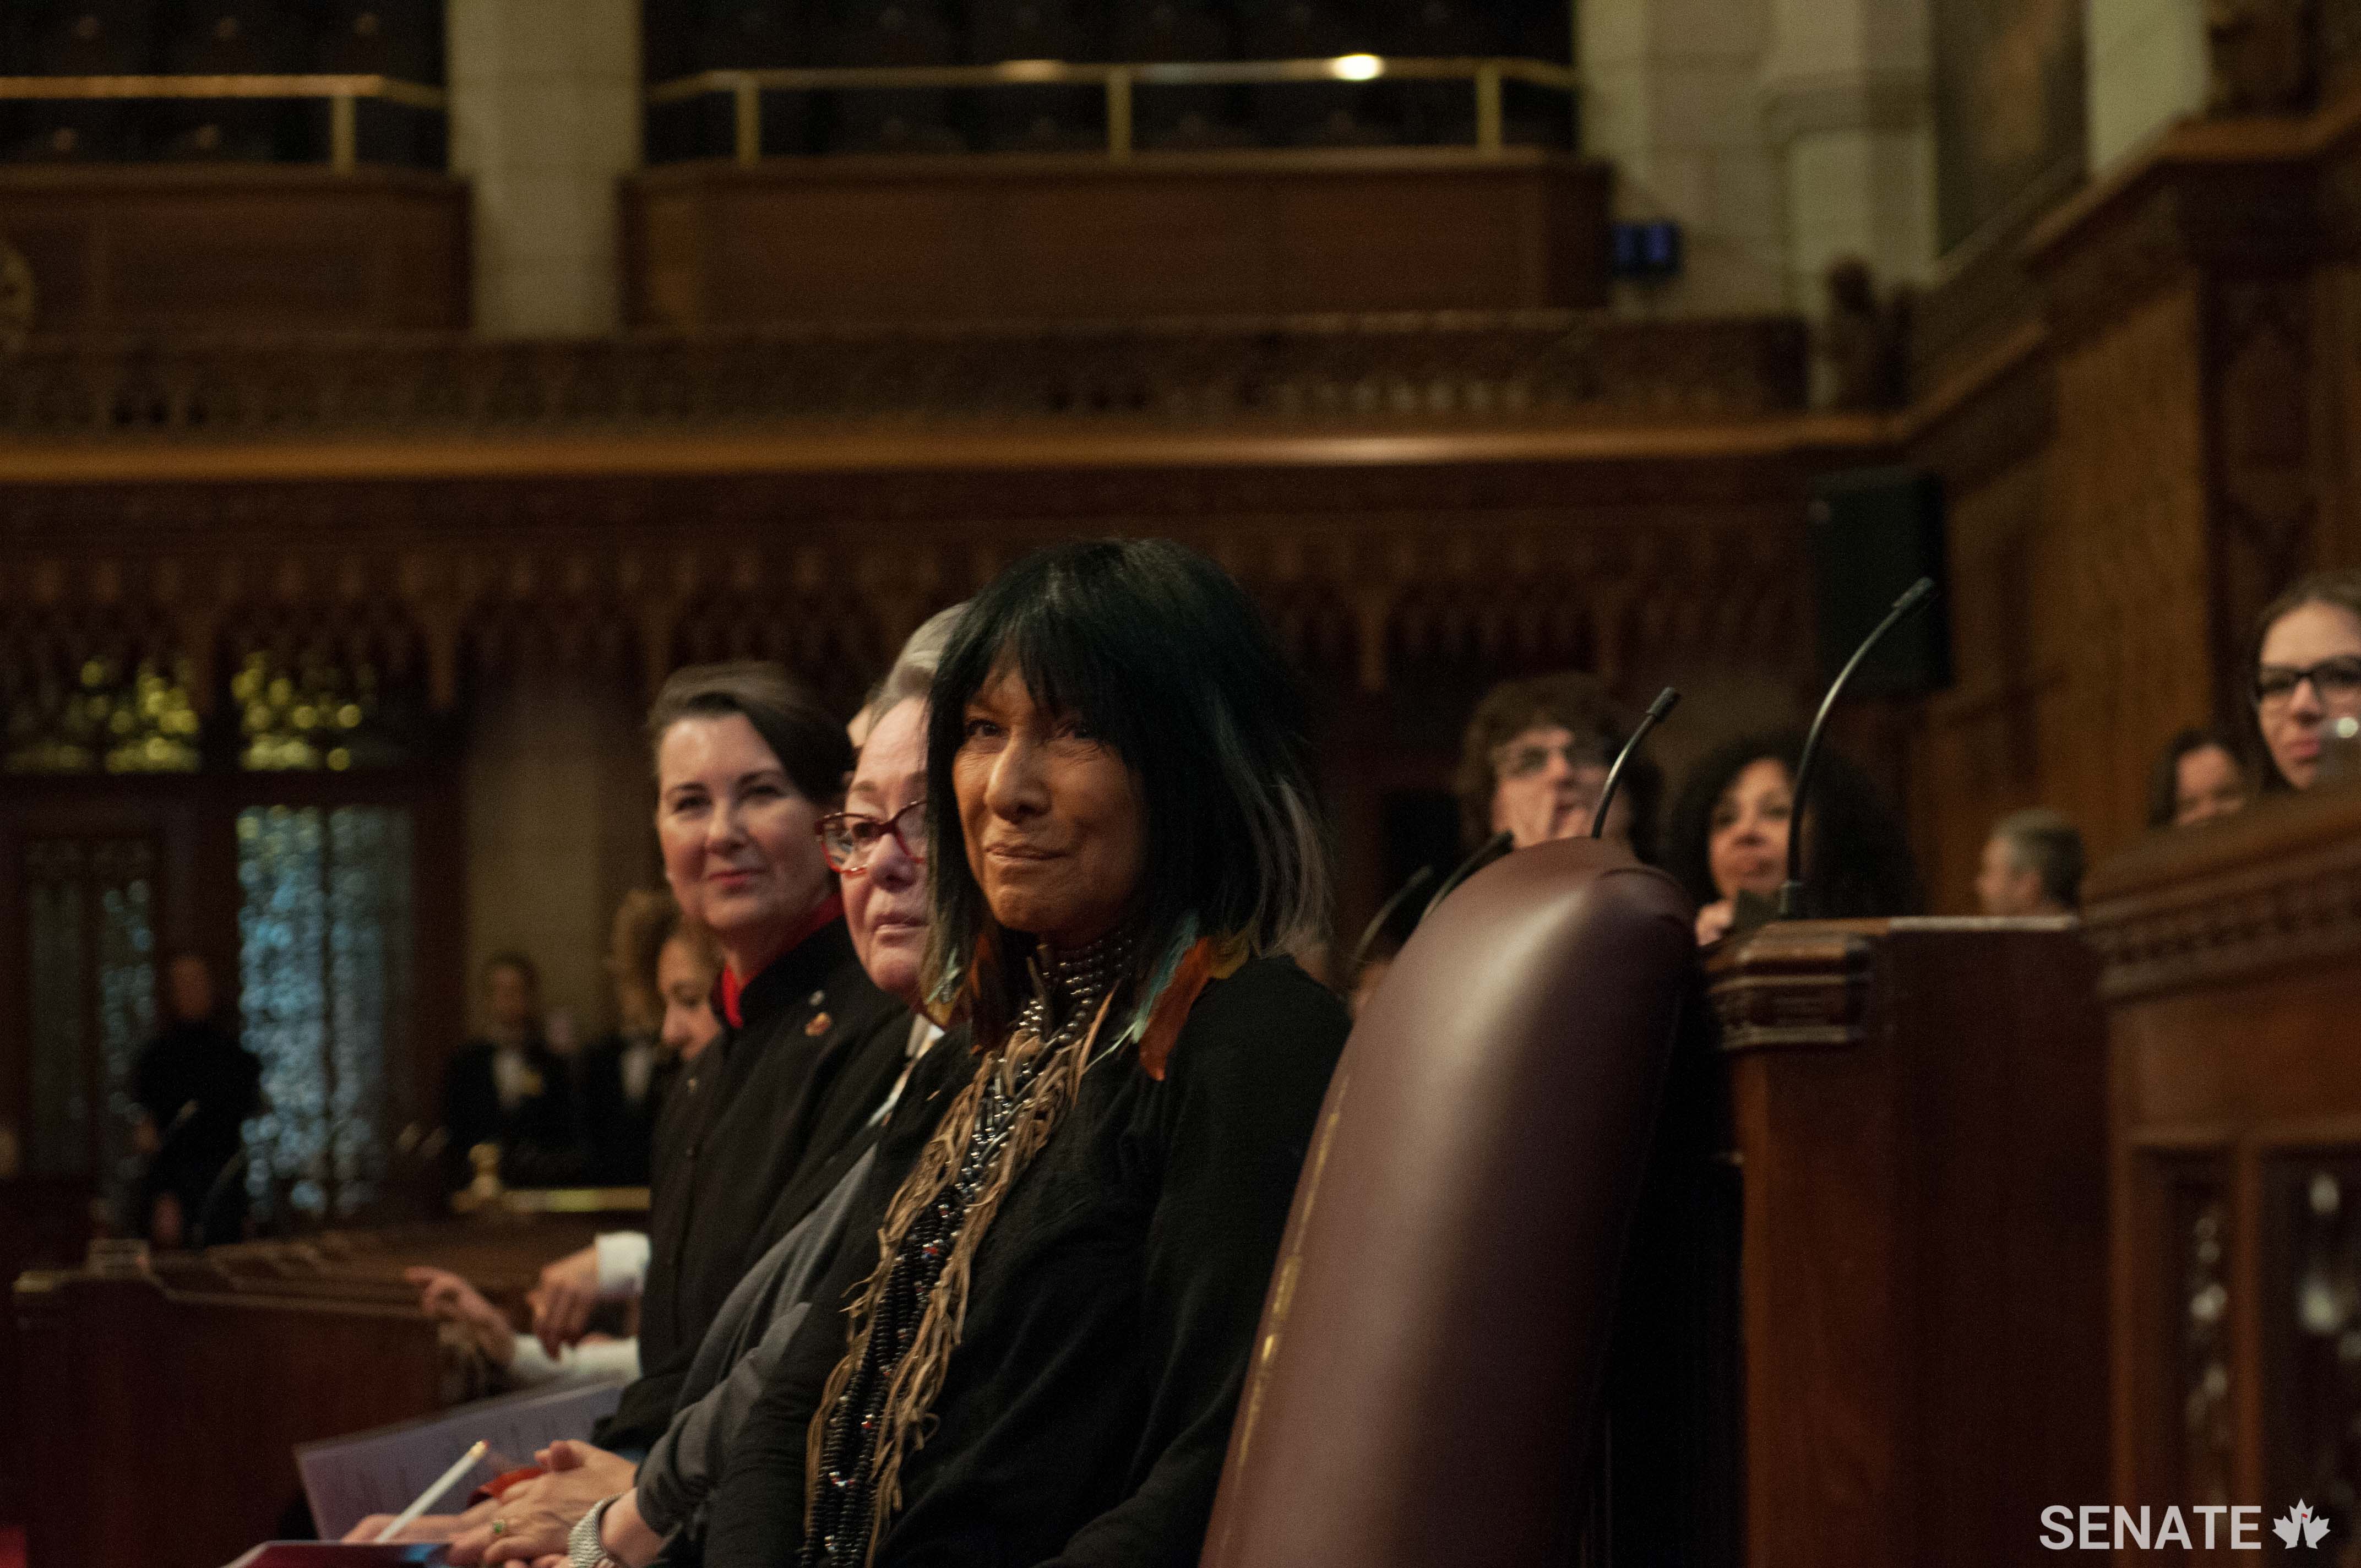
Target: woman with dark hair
{"x": 1045, "y": 1354}
{"x": 1534, "y": 761}
{"x": 2307, "y": 672}
{"x": 2196, "y": 779}
{"x": 747, "y": 765}
{"x": 1728, "y": 836}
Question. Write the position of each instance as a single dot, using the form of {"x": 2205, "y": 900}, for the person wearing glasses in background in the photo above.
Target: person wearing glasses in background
{"x": 1534, "y": 761}
{"x": 2307, "y": 669}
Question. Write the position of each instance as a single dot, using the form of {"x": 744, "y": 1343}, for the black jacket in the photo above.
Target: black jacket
{"x": 536, "y": 1135}
{"x": 617, "y": 1130}
{"x": 798, "y": 1277}
{"x": 1110, "y": 1319}
{"x": 198, "y": 1086}
{"x": 773, "y": 1096}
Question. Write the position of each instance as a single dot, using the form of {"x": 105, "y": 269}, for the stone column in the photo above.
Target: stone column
{"x": 1669, "y": 97}
{"x": 1846, "y": 107}
{"x": 544, "y": 120}
{"x": 2148, "y": 68}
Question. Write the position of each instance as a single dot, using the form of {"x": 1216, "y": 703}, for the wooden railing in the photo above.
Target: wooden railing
{"x": 342, "y": 92}
{"x": 1118, "y": 82}
{"x": 1456, "y": 371}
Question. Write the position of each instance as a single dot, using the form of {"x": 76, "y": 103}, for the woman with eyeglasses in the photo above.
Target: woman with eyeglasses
{"x": 1046, "y": 1349}
{"x": 877, "y": 845}
{"x": 747, "y": 764}
{"x": 2307, "y": 669}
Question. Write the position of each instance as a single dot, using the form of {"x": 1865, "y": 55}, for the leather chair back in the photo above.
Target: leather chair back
{"x": 1426, "y": 1377}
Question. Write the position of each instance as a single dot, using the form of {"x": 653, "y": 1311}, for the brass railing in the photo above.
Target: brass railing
{"x": 1117, "y": 81}
{"x": 344, "y": 94}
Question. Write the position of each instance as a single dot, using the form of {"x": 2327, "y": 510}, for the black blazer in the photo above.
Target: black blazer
{"x": 1110, "y": 1320}
{"x": 748, "y": 1115}
{"x": 617, "y": 1130}
{"x": 536, "y": 1135}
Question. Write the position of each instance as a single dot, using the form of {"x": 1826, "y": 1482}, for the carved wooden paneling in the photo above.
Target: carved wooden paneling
{"x": 1066, "y": 238}
{"x": 2228, "y": 958}
{"x": 1446, "y": 571}
{"x": 2278, "y": 888}
{"x": 2128, "y": 493}
{"x": 2143, "y": 444}
{"x": 222, "y": 248}
{"x": 1458, "y": 371}
{"x": 2310, "y": 1305}
{"x": 2262, "y": 345}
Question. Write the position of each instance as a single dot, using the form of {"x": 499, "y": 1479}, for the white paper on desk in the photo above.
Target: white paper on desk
{"x": 382, "y": 1470}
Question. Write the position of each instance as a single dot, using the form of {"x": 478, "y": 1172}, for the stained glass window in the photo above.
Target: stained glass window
{"x": 309, "y": 716}
{"x": 90, "y": 918}
{"x": 138, "y": 720}
{"x": 324, "y": 944}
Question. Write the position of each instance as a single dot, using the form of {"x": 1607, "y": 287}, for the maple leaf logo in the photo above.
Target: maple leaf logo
{"x": 2301, "y": 1520}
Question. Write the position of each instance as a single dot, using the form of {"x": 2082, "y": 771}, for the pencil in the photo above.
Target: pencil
{"x": 426, "y": 1498}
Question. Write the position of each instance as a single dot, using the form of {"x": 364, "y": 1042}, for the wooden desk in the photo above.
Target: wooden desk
{"x": 1918, "y": 1108}
{"x": 161, "y": 1408}
{"x": 2233, "y": 989}
{"x": 44, "y": 1224}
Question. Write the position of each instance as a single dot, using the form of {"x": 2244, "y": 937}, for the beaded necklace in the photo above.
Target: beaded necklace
{"x": 1067, "y": 992}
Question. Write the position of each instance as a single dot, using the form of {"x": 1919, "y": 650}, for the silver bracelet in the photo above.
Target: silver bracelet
{"x": 585, "y": 1547}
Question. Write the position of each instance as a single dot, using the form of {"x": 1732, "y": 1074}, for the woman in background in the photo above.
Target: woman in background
{"x": 1727, "y": 843}
{"x": 2197, "y": 779}
{"x": 2307, "y": 666}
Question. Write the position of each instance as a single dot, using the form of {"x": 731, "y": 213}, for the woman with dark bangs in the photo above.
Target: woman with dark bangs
{"x": 1044, "y": 1362}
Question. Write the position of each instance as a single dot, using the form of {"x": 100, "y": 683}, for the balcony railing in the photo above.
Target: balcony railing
{"x": 1118, "y": 82}
{"x": 1464, "y": 370}
{"x": 343, "y": 94}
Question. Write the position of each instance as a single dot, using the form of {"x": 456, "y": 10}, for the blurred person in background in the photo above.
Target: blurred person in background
{"x": 1535, "y": 759}
{"x": 2307, "y": 672}
{"x": 2032, "y": 865}
{"x": 1728, "y": 840}
{"x": 2197, "y": 779}
{"x": 620, "y": 1078}
{"x": 507, "y": 1088}
{"x": 195, "y": 1086}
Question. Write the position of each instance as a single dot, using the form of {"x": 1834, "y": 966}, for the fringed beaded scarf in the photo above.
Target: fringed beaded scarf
{"x": 874, "y": 1411}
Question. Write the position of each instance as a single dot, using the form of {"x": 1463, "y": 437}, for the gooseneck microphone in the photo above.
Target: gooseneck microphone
{"x": 1791, "y": 891}
{"x": 1499, "y": 844}
{"x": 1402, "y": 895}
{"x": 1666, "y": 700}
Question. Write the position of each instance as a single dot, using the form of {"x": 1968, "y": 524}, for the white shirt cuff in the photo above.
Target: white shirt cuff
{"x": 531, "y": 1365}
{"x": 622, "y": 1263}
